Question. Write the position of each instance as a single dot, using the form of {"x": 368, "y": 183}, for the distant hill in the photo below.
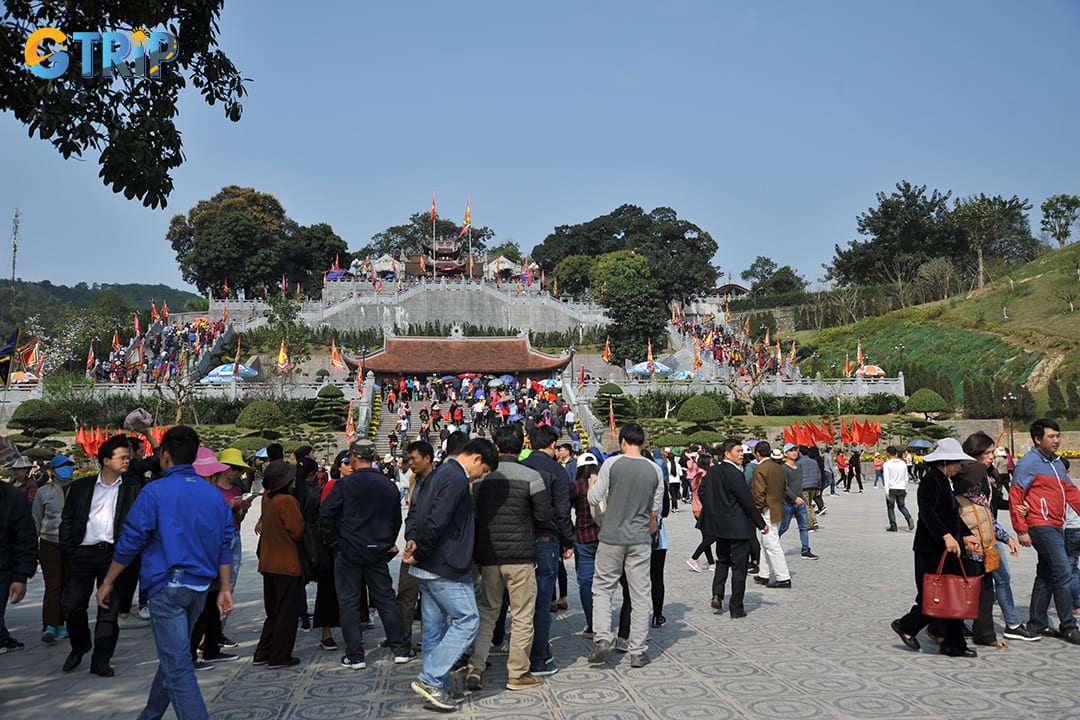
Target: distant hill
{"x": 1019, "y": 328}
{"x": 82, "y": 295}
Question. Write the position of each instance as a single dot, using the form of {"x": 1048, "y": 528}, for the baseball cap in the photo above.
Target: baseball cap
{"x": 63, "y": 466}
{"x": 790, "y": 446}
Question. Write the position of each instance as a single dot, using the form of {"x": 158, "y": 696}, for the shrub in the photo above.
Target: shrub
{"x": 35, "y": 414}
{"x": 609, "y": 389}
{"x": 331, "y": 391}
{"x": 927, "y": 402}
{"x": 705, "y": 437}
{"x": 700, "y": 410}
{"x": 261, "y": 414}
{"x": 249, "y": 445}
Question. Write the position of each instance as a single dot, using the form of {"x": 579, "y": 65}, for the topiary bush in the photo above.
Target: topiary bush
{"x": 332, "y": 392}
{"x": 927, "y": 402}
{"x": 36, "y": 414}
{"x": 701, "y": 411}
{"x": 260, "y": 415}
{"x": 608, "y": 390}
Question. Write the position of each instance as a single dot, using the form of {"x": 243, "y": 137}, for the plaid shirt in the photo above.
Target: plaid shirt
{"x": 585, "y": 530}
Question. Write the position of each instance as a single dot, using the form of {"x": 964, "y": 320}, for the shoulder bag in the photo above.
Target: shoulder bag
{"x": 952, "y": 597}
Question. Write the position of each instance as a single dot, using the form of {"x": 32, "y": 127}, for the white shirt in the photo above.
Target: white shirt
{"x": 896, "y": 476}
{"x": 102, "y": 520}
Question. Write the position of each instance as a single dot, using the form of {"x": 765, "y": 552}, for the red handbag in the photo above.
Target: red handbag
{"x": 954, "y": 597}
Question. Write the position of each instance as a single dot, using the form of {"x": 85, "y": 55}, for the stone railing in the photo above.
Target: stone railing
{"x": 815, "y": 387}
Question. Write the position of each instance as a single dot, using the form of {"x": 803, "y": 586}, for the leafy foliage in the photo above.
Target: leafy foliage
{"x": 33, "y": 415}
{"x": 665, "y": 240}
{"x": 410, "y": 237}
{"x": 132, "y": 123}
{"x": 635, "y": 305}
{"x": 261, "y": 415}
{"x": 927, "y": 402}
{"x": 1059, "y": 215}
{"x": 700, "y": 410}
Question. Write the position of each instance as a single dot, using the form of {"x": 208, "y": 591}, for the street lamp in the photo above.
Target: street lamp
{"x": 572, "y": 350}
{"x": 900, "y": 347}
{"x": 1010, "y": 398}
{"x": 363, "y": 363}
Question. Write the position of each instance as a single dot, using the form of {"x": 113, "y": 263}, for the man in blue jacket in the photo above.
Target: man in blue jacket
{"x": 440, "y": 534}
{"x": 183, "y": 528}
{"x": 360, "y": 519}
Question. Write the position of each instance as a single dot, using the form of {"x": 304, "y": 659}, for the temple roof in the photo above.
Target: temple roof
{"x": 441, "y": 356}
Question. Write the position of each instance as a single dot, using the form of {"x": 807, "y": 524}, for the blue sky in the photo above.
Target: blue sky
{"x": 769, "y": 124}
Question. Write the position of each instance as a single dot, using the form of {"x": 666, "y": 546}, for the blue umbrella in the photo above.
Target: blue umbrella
{"x": 224, "y": 373}
{"x": 549, "y": 383}
{"x": 687, "y": 375}
{"x": 920, "y": 444}
{"x": 446, "y": 378}
{"x": 261, "y": 453}
{"x": 515, "y": 417}
{"x": 508, "y": 379}
{"x": 642, "y": 368}
{"x": 479, "y": 395}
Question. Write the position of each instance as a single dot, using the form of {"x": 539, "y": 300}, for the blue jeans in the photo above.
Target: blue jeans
{"x": 1053, "y": 577}
{"x": 5, "y": 588}
{"x": 879, "y": 475}
{"x": 799, "y": 512}
{"x": 173, "y": 612}
{"x": 830, "y": 482}
{"x": 547, "y": 573}
{"x": 585, "y": 565}
{"x": 1003, "y": 590}
{"x": 444, "y": 643}
{"x": 1072, "y": 551}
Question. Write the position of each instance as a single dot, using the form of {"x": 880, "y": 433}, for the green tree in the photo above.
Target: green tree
{"x": 907, "y": 225}
{"x": 236, "y": 247}
{"x": 944, "y": 388}
{"x": 131, "y": 123}
{"x": 508, "y": 249}
{"x": 634, "y": 304}
{"x": 573, "y": 272}
{"x": 759, "y": 271}
{"x": 664, "y": 239}
{"x": 702, "y": 411}
{"x": 927, "y": 402}
{"x": 1059, "y": 215}
{"x": 1055, "y": 399}
{"x": 283, "y": 317}
{"x": 1073, "y": 397}
{"x": 985, "y": 222}
{"x": 409, "y": 238}
{"x": 263, "y": 209}
{"x": 784, "y": 280}
{"x": 314, "y": 250}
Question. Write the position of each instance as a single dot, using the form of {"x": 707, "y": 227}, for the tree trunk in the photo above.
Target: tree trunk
{"x": 980, "y": 268}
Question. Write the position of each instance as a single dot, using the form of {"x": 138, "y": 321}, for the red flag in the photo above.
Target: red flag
{"x": 466, "y": 225}
{"x": 856, "y": 432}
{"x": 432, "y": 207}
{"x": 789, "y": 434}
{"x": 845, "y": 436}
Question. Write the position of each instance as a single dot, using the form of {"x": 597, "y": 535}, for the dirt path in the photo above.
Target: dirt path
{"x": 1042, "y": 373}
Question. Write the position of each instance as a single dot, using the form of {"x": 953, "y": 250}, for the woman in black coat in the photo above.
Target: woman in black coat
{"x": 940, "y": 531}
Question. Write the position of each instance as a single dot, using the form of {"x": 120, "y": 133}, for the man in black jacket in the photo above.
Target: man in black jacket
{"x": 441, "y": 535}
{"x": 728, "y": 514}
{"x": 18, "y": 555}
{"x": 93, "y": 517}
{"x": 508, "y": 503}
{"x": 360, "y": 519}
{"x": 552, "y": 539}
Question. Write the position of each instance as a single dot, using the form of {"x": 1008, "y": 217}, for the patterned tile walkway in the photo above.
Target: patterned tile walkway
{"x": 821, "y": 650}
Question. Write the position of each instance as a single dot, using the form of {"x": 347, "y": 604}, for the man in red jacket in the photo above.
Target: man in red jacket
{"x": 1039, "y": 492}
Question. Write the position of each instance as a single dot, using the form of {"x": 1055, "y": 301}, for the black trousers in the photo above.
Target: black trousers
{"x": 86, "y": 569}
{"x": 733, "y": 555}
{"x": 952, "y": 631}
{"x": 327, "y": 613}
{"x": 705, "y": 546}
{"x": 208, "y": 624}
{"x": 281, "y": 599}
{"x": 675, "y": 490}
{"x": 656, "y": 577}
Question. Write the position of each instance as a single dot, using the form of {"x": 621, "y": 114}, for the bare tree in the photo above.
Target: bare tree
{"x": 939, "y": 276}
{"x": 178, "y": 392}
{"x": 743, "y": 388}
{"x": 847, "y": 301}
{"x": 900, "y": 276}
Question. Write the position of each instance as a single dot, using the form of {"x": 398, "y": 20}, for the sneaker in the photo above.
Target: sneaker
{"x": 694, "y": 565}
{"x": 48, "y": 635}
{"x": 639, "y": 661}
{"x": 588, "y": 633}
{"x": 61, "y": 632}
{"x": 227, "y": 643}
{"x": 550, "y": 668}
{"x": 407, "y": 657}
{"x": 221, "y": 657}
{"x": 474, "y": 679}
{"x": 712, "y": 568}
{"x": 436, "y": 696}
{"x": 807, "y": 555}
{"x": 12, "y": 645}
{"x": 891, "y": 529}
{"x": 525, "y": 682}
{"x": 144, "y": 613}
{"x": 203, "y": 665}
{"x": 911, "y": 523}
{"x": 500, "y": 649}
{"x": 621, "y": 645}
{"x": 600, "y": 652}
{"x": 291, "y": 662}
{"x": 823, "y": 510}
{"x": 347, "y": 662}
{"x": 305, "y": 624}
{"x": 328, "y": 644}
{"x": 761, "y": 580}
{"x": 659, "y": 621}
{"x": 1021, "y": 632}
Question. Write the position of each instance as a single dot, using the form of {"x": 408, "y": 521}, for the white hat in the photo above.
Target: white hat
{"x": 587, "y": 459}
{"x": 948, "y": 450}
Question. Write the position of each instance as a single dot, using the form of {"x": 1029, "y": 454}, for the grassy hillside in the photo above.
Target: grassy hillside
{"x": 81, "y": 295}
{"x": 970, "y": 335}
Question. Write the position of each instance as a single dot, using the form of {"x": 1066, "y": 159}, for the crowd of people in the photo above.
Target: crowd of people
{"x": 488, "y": 525}
{"x": 160, "y": 353}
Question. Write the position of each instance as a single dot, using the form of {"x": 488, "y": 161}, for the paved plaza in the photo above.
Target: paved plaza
{"x": 820, "y": 650}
